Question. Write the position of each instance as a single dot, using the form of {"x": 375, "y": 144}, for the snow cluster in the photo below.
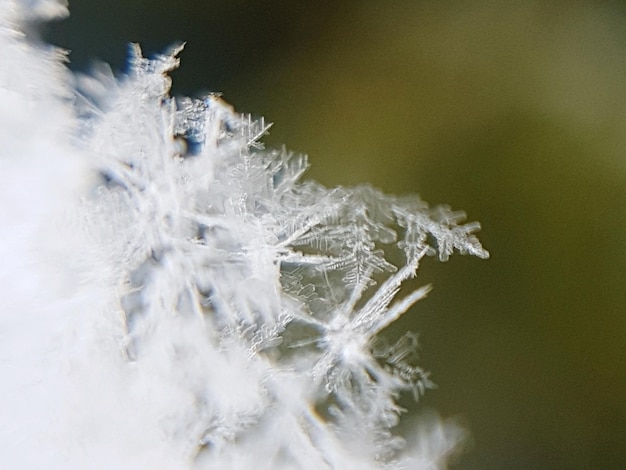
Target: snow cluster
{"x": 174, "y": 295}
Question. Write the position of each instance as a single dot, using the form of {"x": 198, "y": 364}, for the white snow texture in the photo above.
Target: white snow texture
{"x": 172, "y": 295}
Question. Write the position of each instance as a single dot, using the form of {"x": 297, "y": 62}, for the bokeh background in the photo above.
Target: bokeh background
{"x": 512, "y": 110}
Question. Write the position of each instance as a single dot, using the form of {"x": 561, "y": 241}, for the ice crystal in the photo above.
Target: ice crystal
{"x": 238, "y": 308}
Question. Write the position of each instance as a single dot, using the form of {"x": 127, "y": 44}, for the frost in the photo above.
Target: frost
{"x": 211, "y": 309}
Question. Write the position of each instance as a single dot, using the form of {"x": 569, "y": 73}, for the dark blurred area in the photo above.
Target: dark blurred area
{"x": 514, "y": 111}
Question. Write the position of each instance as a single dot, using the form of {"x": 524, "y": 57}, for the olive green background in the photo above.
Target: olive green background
{"x": 512, "y": 110}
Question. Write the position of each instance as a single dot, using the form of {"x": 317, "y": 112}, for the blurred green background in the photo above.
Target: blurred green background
{"x": 512, "y": 110}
